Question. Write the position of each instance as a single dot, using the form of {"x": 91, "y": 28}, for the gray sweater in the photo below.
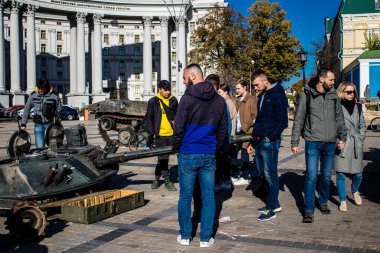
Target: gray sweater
{"x": 38, "y": 102}
{"x": 326, "y": 121}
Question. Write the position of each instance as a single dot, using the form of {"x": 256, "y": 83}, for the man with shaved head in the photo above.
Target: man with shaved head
{"x": 200, "y": 130}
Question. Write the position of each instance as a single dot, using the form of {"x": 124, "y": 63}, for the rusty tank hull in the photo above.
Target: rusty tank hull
{"x": 119, "y": 117}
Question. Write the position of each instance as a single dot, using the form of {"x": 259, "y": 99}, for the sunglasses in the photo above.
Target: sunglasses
{"x": 349, "y": 92}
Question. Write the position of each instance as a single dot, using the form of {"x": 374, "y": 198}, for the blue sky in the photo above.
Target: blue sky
{"x": 307, "y": 17}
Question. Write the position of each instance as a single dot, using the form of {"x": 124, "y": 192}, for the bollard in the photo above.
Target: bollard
{"x": 86, "y": 114}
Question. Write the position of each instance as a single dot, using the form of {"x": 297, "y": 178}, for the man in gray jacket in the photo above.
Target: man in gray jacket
{"x": 46, "y": 106}
{"x": 319, "y": 120}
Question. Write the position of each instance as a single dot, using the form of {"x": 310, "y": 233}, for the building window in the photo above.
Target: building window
{"x": 59, "y": 49}
{"x": 153, "y": 37}
{"x": 60, "y": 75}
{"x": 42, "y": 21}
{"x": 106, "y": 75}
{"x": 43, "y": 48}
{"x": 105, "y": 26}
{"x": 26, "y": 45}
{"x": 121, "y": 26}
{"x": 121, "y": 64}
{"x": 154, "y": 76}
{"x": 59, "y": 23}
{"x": 153, "y": 51}
{"x": 192, "y": 26}
{"x": 137, "y": 51}
{"x": 174, "y": 42}
{"x": 122, "y": 76}
{"x": 106, "y": 64}
{"x": 106, "y": 51}
{"x": 25, "y": 33}
{"x": 121, "y": 51}
{"x": 43, "y": 35}
{"x": 59, "y": 63}
{"x": 59, "y": 35}
{"x": 137, "y": 64}
{"x": 174, "y": 56}
{"x": 43, "y": 74}
{"x": 137, "y": 76}
{"x": 121, "y": 39}
{"x": 137, "y": 38}
{"x": 377, "y": 5}
{"x": 137, "y": 27}
{"x": 43, "y": 62}
{"x": 154, "y": 64}
{"x": 137, "y": 89}
{"x": 106, "y": 38}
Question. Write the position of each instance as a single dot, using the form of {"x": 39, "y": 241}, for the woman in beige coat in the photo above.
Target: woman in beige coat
{"x": 349, "y": 162}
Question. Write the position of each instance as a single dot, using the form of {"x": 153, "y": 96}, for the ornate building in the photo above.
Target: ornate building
{"x": 90, "y": 50}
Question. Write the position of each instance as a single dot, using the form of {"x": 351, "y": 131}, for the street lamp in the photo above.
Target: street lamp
{"x": 250, "y": 75}
{"x": 302, "y": 58}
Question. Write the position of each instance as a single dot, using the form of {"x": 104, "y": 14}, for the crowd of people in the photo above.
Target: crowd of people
{"x": 210, "y": 113}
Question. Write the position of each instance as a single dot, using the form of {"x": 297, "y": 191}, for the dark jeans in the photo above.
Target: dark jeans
{"x": 162, "y": 167}
{"x": 318, "y": 151}
{"x": 266, "y": 153}
{"x": 39, "y": 134}
{"x": 223, "y": 171}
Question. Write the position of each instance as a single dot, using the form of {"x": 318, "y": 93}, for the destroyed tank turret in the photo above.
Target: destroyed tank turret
{"x": 123, "y": 116}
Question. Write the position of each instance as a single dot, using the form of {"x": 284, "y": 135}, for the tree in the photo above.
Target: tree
{"x": 272, "y": 45}
{"x": 372, "y": 41}
{"x": 219, "y": 41}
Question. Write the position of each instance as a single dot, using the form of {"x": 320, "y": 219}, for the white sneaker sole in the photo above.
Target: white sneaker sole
{"x": 206, "y": 244}
{"x": 183, "y": 242}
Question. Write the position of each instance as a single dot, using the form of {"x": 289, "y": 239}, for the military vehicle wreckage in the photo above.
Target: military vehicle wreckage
{"x": 29, "y": 179}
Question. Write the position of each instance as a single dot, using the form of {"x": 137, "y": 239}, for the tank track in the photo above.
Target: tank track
{"x": 117, "y": 119}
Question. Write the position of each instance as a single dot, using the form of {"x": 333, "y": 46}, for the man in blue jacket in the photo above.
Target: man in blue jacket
{"x": 200, "y": 129}
{"x": 271, "y": 120}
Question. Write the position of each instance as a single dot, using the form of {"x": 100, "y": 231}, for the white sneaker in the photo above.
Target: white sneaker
{"x": 241, "y": 181}
{"x": 183, "y": 242}
{"x": 206, "y": 244}
{"x": 343, "y": 206}
{"x": 357, "y": 199}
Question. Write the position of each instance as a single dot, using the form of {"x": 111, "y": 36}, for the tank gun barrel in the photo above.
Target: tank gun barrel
{"x": 112, "y": 159}
{"x": 240, "y": 138}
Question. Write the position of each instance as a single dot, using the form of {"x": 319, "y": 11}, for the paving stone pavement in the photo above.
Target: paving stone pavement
{"x": 154, "y": 227}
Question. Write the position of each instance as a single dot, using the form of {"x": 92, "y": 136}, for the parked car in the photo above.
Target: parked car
{"x": 20, "y": 113}
{"x": 7, "y": 112}
{"x": 69, "y": 113}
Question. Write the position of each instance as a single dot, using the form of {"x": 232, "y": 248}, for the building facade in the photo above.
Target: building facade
{"x": 345, "y": 42}
{"x": 90, "y": 50}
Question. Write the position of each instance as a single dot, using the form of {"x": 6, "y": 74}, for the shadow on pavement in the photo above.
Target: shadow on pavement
{"x": 294, "y": 182}
{"x": 370, "y": 187}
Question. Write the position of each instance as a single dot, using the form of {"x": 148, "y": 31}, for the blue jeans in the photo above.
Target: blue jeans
{"x": 341, "y": 183}
{"x": 324, "y": 152}
{"x": 39, "y": 134}
{"x": 189, "y": 167}
{"x": 266, "y": 155}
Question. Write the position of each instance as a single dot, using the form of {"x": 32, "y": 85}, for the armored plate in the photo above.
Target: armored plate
{"x": 54, "y": 135}
{"x": 126, "y": 107}
{"x": 19, "y": 144}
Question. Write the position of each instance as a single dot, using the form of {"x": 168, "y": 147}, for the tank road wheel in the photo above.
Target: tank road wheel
{"x": 27, "y": 222}
{"x": 375, "y": 124}
{"x": 107, "y": 123}
{"x": 125, "y": 136}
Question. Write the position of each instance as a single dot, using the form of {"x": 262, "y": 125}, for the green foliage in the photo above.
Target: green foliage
{"x": 290, "y": 97}
{"x": 371, "y": 106}
{"x": 298, "y": 86}
{"x": 372, "y": 41}
{"x": 227, "y": 42}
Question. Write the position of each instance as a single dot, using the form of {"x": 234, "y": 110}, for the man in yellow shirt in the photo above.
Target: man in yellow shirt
{"x": 159, "y": 123}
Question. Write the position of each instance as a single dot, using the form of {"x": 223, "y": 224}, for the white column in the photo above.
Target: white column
{"x": 66, "y": 36}
{"x": 2, "y": 59}
{"x": 73, "y": 57}
{"x": 164, "y": 49}
{"x": 147, "y": 58}
{"x": 181, "y": 53}
{"x": 31, "y": 49}
{"x": 38, "y": 39}
{"x": 81, "y": 53}
{"x": 15, "y": 48}
{"x": 97, "y": 56}
{"x": 53, "y": 41}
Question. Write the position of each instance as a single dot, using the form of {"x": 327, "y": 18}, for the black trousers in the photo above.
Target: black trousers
{"x": 162, "y": 167}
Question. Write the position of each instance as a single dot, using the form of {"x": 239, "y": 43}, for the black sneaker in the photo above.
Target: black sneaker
{"x": 324, "y": 209}
{"x": 170, "y": 186}
{"x": 308, "y": 218}
{"x": 267, "y": 215}
{"x": 154, "y": 184}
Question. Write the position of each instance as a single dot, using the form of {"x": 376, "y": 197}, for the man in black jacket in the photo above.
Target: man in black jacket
{"x": 159, "y": 123}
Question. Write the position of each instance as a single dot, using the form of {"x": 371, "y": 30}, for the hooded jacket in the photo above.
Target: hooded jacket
{"x": 272, "y": 113}
{"x": 325, "y": 121}
{"x": 201, "y": 123}
{"x": 39, "y": 102}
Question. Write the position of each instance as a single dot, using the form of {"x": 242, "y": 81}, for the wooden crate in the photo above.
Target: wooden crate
{"x": 98, "y": 206}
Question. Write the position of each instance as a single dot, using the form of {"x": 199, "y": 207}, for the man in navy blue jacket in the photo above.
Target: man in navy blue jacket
{"x": 200, "y": 129}
{"x": 271, "y": 120}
